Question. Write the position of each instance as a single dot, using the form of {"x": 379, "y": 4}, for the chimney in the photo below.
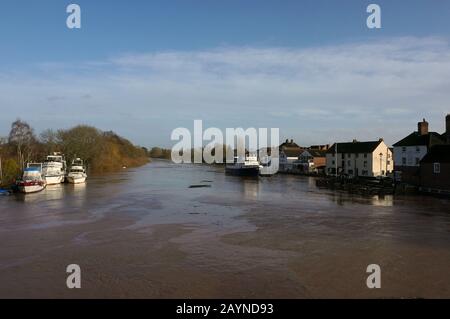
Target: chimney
{"x": 287, "y": 141}
{"x": 423, "y": 127}
{"x": 447, "y": 128}
{"x": 292, "y": 141}
{"x": 355, "y": 140}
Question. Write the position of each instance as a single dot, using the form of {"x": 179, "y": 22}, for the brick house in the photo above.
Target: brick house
{"x": 312, "y": 161}
{"x": 435, "y": 170}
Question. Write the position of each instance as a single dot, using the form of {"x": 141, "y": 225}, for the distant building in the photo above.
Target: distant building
{"x": 288, "y": 144}
{"x": 409, "y": 151}
{"x": 355, "y": 158}
{"x": 289, "y": 153}
{"x": 288, "y": 158}
{"x": 312, "y": 161}
{"x": 323, "y": 147}
{"x": 435, "y": 169}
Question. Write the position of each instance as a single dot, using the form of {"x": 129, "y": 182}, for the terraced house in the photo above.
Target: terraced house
{"x": 373, "y": 158}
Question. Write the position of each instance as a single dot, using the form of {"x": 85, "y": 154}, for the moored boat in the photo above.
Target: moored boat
{"x": 32, "y": 180}
{"x": 54, "y": 169}
{"x": 248, "y": 167}
{"x": 77, "y": 172}
{"x": 4, "y": 192}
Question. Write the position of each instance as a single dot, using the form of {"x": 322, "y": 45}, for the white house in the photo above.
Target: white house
{"x": 289, "y": 153}
{"x": 288, "y": 159}
{"x": 355, "y": 158}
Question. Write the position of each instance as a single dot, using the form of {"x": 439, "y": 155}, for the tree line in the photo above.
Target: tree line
{"x": 101, "y": 151}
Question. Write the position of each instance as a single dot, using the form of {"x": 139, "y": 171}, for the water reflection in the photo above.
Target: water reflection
{"x": 341, "y": 199}
{"x": 79, "y": 193}
{"x": 250, "y": 188}
{"x": 56, "y": 196}
{"x": 50, "y": 193}
{"x": 386, "y": 200}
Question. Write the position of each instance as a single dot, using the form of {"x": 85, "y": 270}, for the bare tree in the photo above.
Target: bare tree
{"x": 22, "y": 137}
{"x": 50, "y": 140}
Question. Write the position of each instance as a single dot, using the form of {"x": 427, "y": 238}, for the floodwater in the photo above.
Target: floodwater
{"x": 143, "y": 233}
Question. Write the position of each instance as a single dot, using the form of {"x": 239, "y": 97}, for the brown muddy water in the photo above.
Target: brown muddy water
{"x": 143, "y": 233}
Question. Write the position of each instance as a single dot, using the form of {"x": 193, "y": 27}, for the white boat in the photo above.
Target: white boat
{"x": 32, "y": 180}
{"x": 77, "y": 172}
{"x": 54, "y": 169}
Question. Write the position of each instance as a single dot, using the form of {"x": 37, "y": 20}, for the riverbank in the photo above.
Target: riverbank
{"x": 102, "y": 152}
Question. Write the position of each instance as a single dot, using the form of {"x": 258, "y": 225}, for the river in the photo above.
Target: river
{"x": 143, "y": 233}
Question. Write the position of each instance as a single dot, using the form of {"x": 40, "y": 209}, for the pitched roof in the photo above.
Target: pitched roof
{"x": 414, "y": 139}
{"x": 288, "y": 143}
{"x": 292, "y": 151}
{"x": 354, "y": 147}
{"x": 438, "y": 154}
{"x": 316, "y": 153}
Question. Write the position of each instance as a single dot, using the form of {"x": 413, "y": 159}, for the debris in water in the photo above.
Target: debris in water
{"x": 199, "y": 186}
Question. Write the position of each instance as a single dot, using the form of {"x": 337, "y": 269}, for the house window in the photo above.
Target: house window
{"x": 357, "y": 155}
{"x": 388, "y": 162}
{"x": 365, "y": 173}
{"x": 403, "y": 149}
{"x": 333, "y": 162}
{"x": 404, "y": 161}
{"x": 349, "y": 155}
{"x": 417, "y": 161}
{"x": 350, "y": 172}
{"x": 417, "y": 149}
{"x": 349, "y": 163}
{"x": 365, "y": 155}
{"x": 365, "y": 165}
{"x": 437, "y": 168}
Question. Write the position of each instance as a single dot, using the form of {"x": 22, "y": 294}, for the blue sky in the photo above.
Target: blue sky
{"x": 143, "y": 68}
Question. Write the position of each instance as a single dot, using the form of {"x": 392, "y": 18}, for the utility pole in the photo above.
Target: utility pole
{"x": 387, "y": 159}
{"x": 336, "y": 159}
{"x": 381, "y": 164}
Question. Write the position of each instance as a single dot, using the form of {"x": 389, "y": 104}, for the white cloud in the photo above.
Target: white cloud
{"x": 362, "y": 90}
